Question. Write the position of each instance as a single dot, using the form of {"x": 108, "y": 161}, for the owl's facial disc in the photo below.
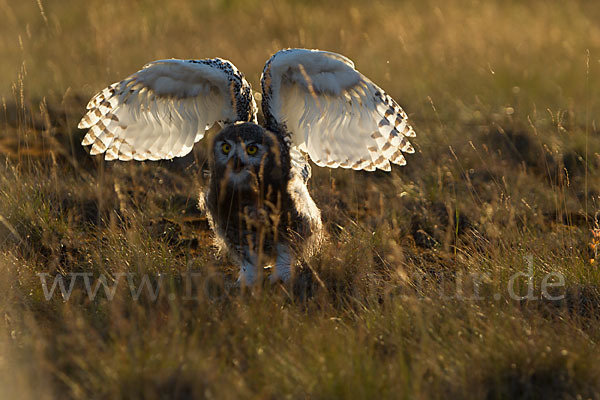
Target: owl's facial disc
{"x": 240, "y": 160}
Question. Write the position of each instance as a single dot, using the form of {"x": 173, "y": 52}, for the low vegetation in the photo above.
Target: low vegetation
{"x": 470, "y": 273}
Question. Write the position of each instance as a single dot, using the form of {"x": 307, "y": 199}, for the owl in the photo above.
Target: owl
{"x": 316, "y": 107}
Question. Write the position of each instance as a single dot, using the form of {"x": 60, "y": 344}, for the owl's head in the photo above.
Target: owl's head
{"x": 245, "y": 154}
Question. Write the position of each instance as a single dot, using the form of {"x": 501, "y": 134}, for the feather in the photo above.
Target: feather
{"x": 160, "y": 111}
{"x": 333, "y": 113}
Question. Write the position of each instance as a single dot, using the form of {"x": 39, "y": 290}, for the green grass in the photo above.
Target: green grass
{"x": 409, "y": 296}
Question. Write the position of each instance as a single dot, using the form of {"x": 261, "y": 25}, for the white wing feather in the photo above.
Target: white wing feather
{"x": 334, "y": 113}
{"x": 160, "y": 111}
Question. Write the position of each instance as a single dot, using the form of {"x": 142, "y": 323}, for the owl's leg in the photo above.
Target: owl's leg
{"x": 283, "y": 264}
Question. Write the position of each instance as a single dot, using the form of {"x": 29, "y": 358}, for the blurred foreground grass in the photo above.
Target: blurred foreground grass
{"x": 409, "y": 298}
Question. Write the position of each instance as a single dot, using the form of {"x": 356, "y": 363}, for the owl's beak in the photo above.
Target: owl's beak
{"x": 236, "y": 164}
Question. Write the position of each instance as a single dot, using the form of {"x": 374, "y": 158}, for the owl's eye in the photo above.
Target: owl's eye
{"x": 251, "y": 150}
{"x": 226, "y": 147}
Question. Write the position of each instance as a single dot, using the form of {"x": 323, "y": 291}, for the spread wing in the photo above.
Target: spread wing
{"x": 160, "y": 111}
{"x": 334, "y": 113}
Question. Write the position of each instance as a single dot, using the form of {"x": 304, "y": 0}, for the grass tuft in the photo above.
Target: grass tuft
{"x": 470, "y": 273}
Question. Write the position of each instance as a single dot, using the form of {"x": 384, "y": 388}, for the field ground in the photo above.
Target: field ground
{"x": 469, "y": 273}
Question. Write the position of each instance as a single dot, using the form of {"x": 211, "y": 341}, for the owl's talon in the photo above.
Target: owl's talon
{"x": 274, "y": 279}
{"x": 280, "y": 277}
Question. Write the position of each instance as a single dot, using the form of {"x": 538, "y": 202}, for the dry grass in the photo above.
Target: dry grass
{"x": 411, "y": 299}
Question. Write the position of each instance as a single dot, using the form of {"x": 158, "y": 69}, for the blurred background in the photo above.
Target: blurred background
{"x": 503, "y": 96}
